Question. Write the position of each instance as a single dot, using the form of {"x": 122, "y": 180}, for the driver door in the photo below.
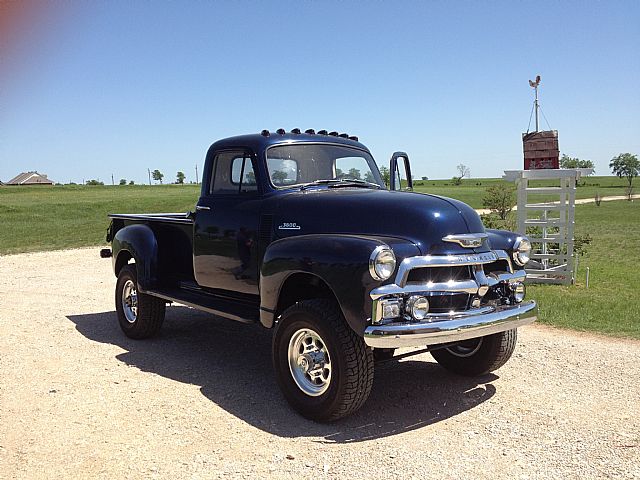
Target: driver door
{"x": 226, "y": 221}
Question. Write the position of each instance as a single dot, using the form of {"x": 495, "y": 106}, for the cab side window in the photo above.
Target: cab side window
{"x": 233, "y": 173}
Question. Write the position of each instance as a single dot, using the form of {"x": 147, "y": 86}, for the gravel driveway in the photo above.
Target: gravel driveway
{"x": 78, "y": 399}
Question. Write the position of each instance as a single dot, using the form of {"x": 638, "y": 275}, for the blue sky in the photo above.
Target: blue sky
{"x": 91, "y": 89}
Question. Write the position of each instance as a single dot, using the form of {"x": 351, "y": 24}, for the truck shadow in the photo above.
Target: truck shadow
{"x": 231, "y": 362}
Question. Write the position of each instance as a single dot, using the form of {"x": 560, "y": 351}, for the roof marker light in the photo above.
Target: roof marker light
{"x": 333, "y": 134}
{"x": 265, "y": 133}
{"x": 280, "y": 131}
{"x": 295, "y": 130}
{"x": 344, "y": 135}
{"x": 323, "y": 132}
{"x": 354, "y": 138}
{"x": 310, "y": 131}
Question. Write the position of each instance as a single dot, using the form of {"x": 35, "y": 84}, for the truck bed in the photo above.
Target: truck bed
{"x": 174, "y": 234}
{"x": 155, "y": 217}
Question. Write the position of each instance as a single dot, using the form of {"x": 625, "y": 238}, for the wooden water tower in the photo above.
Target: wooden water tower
{"x": 540, "y": 148}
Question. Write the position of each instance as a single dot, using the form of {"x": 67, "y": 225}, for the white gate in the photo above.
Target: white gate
{"x": 546, "y": 214}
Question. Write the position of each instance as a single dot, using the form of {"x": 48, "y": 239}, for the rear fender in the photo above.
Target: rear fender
{"x": 140, "y": 242}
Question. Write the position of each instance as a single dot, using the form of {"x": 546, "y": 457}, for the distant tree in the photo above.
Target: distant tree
{"x": 570, "y": 162}
{"x": 626, "y": 166}
{"x": 500, "y": 199}
{"x": 132, "y": 182}
{"x": 279, "y": 177}
{"x": 425, "y": 178}
{"x": 463, "y": 171}
{"x": 368, "y": 177}
{"x": 386, "y": 175}
{"x": 94, "y": 182}
{"x": 354, "y": 173}
{"x": 157, "y": 175}
{"x": 339, "y": 173}
{"x": 180, "y": 178}
{"x": 250, "y": 178}
{"x": 123, "y": 181}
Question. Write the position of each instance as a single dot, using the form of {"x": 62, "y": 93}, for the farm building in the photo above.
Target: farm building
{"x": 30, "y": 178}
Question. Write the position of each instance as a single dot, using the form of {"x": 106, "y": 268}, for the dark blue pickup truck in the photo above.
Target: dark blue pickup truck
{"x": 297, "y": 231}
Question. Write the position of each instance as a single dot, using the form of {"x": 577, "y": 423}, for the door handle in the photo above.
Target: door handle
{"x": 202, "y": 207}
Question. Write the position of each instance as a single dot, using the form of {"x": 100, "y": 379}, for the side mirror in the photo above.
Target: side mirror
{"x": 399, "y": 162}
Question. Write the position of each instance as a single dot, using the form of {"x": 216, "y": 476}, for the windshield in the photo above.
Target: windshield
{"x": 306, "y": 163}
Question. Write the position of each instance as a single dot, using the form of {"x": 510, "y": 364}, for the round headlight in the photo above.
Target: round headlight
{"x": 382, "y": 263}
{"x": 418, "y": 307}
{"x": 521, "y": 251}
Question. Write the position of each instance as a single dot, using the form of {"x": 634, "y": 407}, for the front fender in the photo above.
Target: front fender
{"x": 501, "y": 239}
{"x": 141, "y": 243}
{"x": 341, "y": 261}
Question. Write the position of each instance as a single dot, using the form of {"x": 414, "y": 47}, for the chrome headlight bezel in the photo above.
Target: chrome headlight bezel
{"x": 382, "y": 263}
{"x": 522, "y": 251}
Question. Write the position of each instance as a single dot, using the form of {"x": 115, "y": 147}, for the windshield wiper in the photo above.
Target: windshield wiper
{"x": 354, "y": 182}
{"x": 341, "y": 182}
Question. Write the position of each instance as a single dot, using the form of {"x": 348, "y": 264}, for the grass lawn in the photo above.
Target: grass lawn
{"x": 51, "y": 218}
{"x": 611, "y": 304}
{"x": 472, "y": 190}
{"x": 54, "y": 218}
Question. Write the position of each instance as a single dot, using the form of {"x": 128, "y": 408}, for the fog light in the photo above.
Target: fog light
{"x": 518, "y": 291}
{"x": 390, "y": 309}
{"x": 475, "y": 303}
{"x": 418, "y": 307}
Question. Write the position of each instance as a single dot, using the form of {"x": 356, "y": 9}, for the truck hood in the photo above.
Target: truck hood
{"x": 418, "y": 218}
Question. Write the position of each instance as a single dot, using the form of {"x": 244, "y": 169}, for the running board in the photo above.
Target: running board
{"x": 233, "y": 310}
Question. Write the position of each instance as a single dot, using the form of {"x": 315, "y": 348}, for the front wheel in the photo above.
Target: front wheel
{"x": 139, "y": 315}
{"x": 478, "y": 356}
{"x": 324, "y": 369}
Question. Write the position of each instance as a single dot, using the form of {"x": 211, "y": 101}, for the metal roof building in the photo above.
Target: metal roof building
{"x": 30, "y": 178}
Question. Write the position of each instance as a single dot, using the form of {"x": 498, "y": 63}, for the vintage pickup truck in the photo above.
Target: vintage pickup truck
{"x": 297, "y": 232}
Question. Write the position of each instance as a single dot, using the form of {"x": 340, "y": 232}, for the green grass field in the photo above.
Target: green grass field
{"x": 471, "y": 191}
{"x": 611, "y": 304}
{"x": 51, "y": 218}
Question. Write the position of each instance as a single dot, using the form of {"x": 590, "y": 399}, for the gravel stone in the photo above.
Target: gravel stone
{"x": 78, "y": 399}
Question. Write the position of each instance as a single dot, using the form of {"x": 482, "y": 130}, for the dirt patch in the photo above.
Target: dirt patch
{"x": 78, "y": 399}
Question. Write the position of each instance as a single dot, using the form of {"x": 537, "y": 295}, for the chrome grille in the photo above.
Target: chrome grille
{"x": 439, "y": 274}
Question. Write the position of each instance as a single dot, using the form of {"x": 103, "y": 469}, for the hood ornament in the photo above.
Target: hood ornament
{"x": 467, "y": 240}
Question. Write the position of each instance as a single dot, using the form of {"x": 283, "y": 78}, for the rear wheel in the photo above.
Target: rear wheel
{"x": 324, "y": 369}
{"x": 139, "y": 315}
{"x": 478, "y": 356}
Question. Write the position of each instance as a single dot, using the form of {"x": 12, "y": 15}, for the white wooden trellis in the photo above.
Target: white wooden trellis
{"x": 548, "y": 221}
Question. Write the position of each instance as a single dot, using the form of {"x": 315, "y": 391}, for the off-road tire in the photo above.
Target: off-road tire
{"x": 150, "y": 309}
{"x": 491, "y": 354}
{"x": 351, "y": 361}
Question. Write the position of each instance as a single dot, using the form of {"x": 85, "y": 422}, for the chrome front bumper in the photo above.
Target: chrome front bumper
{"x": 451, "y": 329}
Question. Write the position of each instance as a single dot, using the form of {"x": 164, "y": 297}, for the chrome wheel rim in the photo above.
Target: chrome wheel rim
{"x": 130, "y": 301}
{"x": 309, "y": 362}
{"x": 466, "y": 349}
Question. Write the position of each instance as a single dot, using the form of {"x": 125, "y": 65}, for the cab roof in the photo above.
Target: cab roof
{"x": 259, "y": 142}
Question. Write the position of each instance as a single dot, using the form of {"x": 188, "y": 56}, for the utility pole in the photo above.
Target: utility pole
{"x": 197, "y": 177}
{"x": 149, "y": 172}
